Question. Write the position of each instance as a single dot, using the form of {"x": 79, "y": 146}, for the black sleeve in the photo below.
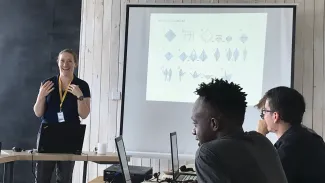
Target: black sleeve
{"x": 85, "y": 89}
{"x": 289, "y": 162}
{"x": 208, "y": 169}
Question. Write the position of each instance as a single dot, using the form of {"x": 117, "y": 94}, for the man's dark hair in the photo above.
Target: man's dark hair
{"x": 227, "y": 98}
{"x": 288, "y": 102}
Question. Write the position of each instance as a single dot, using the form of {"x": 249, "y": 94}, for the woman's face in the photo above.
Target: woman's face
{"x": 66, "y": 64}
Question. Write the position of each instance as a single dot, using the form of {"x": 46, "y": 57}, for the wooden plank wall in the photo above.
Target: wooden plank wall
{"x": 101, "y": 65}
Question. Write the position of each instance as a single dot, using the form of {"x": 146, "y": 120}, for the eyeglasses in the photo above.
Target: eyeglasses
{"x": 263, "y": 111}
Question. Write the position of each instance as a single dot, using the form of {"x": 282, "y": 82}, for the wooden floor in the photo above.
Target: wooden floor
{"x": 101, "y": 64}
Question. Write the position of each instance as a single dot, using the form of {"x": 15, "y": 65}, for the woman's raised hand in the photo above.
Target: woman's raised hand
{"x": 45, "y": 89}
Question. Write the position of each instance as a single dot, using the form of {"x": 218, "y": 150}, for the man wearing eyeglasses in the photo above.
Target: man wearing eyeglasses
{"x": 301, "y": 150}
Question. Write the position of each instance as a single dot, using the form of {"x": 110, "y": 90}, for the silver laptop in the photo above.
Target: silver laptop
{"x": 177, "y": 175}
{"x": 123, "y": 159}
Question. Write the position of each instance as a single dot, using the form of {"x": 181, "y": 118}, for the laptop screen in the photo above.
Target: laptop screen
{"x": 174, "y": 152}
{"x": 123, "y": 159}
{"x": 48, "y": 141}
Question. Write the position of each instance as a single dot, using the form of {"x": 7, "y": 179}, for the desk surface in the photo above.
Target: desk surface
{"x": 6, "y": 158}
{"x": 9, "y": 155}
{"x": 98, "y": 180}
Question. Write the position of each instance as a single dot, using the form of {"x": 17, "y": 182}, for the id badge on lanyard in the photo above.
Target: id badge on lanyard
{"x": 62, "y": 97}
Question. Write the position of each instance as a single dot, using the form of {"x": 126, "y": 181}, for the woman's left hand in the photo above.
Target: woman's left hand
{"x": 75, "y": 90}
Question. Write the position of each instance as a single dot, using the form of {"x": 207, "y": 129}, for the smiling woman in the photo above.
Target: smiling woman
{"x": 61, "y": 98}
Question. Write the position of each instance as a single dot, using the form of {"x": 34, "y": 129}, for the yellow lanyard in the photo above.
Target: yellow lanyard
{"x": 65, "y": 92}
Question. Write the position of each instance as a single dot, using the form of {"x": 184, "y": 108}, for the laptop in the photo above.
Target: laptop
{"x": 177, "y": 175}
{"x": 64, "y": 137}
{"x": 123, "y": 159}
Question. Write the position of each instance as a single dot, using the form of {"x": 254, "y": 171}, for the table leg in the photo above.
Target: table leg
{"x": 11, "y": 176}
{"x": 84, "y": 176}
{"x": 4, "y": 173}
{"x": 8, "y": 169}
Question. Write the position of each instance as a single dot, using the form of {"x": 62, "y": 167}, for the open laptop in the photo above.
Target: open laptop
{"x": 61, "y": 138}
{"x": 177, "y": 175}
{"x": 123, "y": 159}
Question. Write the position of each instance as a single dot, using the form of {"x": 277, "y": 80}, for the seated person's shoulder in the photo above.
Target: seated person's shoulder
{"x": 230, "y": 147}
{"x": 204, "y": 150}
{"x": 251, "y": 137}
{"x": 258, "y": 138}
{"x": 213, "y": 146}
{"x": 260, "y": 143}
{"x": 208, "y": 164}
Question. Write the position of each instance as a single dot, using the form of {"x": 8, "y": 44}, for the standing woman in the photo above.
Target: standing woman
{"x": 61, "y": 98}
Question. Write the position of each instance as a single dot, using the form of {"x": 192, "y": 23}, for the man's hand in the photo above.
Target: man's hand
{"x": 262, "y": 127}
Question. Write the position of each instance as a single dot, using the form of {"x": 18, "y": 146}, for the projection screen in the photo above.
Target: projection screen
{"x": 170, "y": 49}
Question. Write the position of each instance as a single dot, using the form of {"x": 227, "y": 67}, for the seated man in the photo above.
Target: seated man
{"x": 226, "y": 152}
{"x": 301, "y": 150}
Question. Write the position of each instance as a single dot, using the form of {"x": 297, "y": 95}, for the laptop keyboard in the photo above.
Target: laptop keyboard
{"x": 186, "y": 177}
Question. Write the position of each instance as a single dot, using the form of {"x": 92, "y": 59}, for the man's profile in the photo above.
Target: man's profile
{"x": 301, "y": 150}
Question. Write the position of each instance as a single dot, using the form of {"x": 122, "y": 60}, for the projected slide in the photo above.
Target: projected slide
{"x": 187, "y": 49}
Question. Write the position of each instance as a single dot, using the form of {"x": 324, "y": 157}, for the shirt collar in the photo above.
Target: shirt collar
{"x": 293, "y": 129}
{"x": 73, "y": 80}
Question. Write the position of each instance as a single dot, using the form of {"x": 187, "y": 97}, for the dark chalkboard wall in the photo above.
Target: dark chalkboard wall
{"x": 32, "y": 32}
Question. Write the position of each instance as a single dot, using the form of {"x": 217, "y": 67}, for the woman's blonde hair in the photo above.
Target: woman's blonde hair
{"x": 75, "y": 57}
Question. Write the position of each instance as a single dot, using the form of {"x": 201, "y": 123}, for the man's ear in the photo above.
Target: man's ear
{"x": 276, "y": 117}
{"x": 214, "y": 124}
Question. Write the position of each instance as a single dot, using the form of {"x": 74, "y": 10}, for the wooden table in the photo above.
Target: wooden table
{"x": 9, "y": 157}
{"x": 99, "y": 179}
